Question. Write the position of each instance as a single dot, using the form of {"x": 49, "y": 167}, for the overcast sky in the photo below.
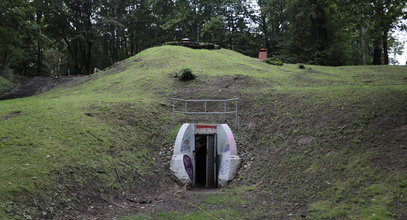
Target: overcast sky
{"x": 402, "y": 37}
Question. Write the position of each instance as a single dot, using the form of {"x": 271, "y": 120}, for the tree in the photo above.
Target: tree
{"x": 78, "y": 35}
{"x": 214, "y": 31}
{"x": 16, "y": 29}
{"x": 385, "y": 16}
{"x": 395, "y": 48}
{"x": 308, "y": 31}
{"x": 273, "y": 22}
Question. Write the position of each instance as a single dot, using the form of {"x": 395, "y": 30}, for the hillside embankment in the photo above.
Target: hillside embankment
{"x": 315, "y": 143}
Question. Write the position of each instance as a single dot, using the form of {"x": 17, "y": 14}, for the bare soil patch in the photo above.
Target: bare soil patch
{"x": 34, "y": 86}
{"x": 12, "y": 114}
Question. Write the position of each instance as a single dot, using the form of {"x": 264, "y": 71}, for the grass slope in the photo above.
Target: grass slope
{"x": 324, "y": 142}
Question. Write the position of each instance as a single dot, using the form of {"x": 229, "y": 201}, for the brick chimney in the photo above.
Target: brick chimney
{"x": 262, "y": 54}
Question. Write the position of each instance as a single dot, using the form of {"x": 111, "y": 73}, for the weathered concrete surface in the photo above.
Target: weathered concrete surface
{"x": 183, "y": 159}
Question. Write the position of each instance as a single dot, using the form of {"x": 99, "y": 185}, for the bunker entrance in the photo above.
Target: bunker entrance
{"x": 205, "y": 155}
{"x": 205, "y": 161}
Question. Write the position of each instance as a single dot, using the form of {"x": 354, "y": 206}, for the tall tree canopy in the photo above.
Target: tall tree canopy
{"x": 48, "y": 37}
{"x": 331, "y": 32}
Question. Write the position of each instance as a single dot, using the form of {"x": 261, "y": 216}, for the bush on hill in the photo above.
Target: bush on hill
{"x": 185, "y": 75}
{"x": 274, "y": 61}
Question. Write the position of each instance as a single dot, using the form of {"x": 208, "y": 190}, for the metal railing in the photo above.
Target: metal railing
{"x": 206, "y": 102}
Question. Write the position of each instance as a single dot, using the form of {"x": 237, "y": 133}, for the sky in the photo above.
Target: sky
{"x": 402, "y": 37}
{"x": 402, "y": 59}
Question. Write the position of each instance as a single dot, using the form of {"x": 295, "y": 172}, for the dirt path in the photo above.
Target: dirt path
{"x": 34, "y": 86}
{"x": 176, "y": 199}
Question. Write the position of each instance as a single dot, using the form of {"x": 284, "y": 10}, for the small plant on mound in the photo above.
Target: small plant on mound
{"x": 274, "y": 61}
{"x": 185, "y": 75}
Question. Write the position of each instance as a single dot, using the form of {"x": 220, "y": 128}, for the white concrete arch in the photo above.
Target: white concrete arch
{"x": 218, "y": 143}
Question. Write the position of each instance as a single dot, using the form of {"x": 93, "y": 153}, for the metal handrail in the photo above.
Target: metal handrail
{"x": 202, "y": 113}
{"x": 206, "y": 101}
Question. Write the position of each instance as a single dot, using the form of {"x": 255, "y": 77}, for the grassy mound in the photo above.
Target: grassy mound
{"x": 325, "y": 142}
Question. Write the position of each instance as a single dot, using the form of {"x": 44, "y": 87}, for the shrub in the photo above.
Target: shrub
{"x": 274, "y": 61}
{"x": 185, "y": 75}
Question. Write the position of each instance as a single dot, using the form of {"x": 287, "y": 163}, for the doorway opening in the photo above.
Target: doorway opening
{"x": 205, "y": 161}
{"x": 200, "y": 161}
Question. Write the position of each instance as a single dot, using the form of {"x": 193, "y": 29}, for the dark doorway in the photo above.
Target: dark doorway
{"x": 200, "y": 161}
{"x": 205, "y": 161}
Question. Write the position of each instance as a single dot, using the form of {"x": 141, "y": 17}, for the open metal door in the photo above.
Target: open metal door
{"x": 211, "y": 171}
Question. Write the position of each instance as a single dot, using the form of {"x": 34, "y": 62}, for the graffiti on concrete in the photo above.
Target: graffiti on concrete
{"x": 205, "y": 129}
{"x": 232, "y": 143}
{"x": 227, "y": 147}
{"x": 189, "y": 167}
{"x": 224, "y": 167}
{"x": 185, "y": 145}
{"x": 224, "y": 147}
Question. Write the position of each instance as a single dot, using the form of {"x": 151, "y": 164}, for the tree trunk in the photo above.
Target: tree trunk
{"x": 377, "y": 52}
{"x": 126, "y": 46}
{"x": 39, "y": 58}
{"x": 78, "y": 58}
{"x": 377, "y": 34}
{"x": 362, "y": 45}
{"x": 89, "y": 58}
{"x": 132, "y": 49}
{"x": 70, "y": 55}
{"x": 385, "y": 47}
{"x": 6, "y": 61}
{"x": 39, "y": 46}
{"x": 138, "y": 46}
{"x": 265, "y": 33}
{"x": 114, "y": 48}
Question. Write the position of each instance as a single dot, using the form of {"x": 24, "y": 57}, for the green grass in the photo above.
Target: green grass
{"x": 112, "y": 123}
{"x": 217, "y": 214}
{"x": 53, "y": 134}
{"x": 366, "y": 202}
{"x": 230, "y": 197}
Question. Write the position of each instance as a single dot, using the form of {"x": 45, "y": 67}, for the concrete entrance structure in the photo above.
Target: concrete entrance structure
{"x": 205, "y": 155}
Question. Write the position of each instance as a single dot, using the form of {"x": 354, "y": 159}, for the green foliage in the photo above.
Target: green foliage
{"x": 185, "y": 75}
{"x": 7, "y": 73}
{"x": 5, "y": 85}
{"x": 54, "y": 62}
{"x": 214, "y": 31}
{"x": 274, "y": 61}
{"x": 15, "y": 31}
{"x": 70, "y": 36}
{"x": 329, "y": 32}
{"x": 312, "y": 37}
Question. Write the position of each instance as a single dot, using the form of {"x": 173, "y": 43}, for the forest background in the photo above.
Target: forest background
{"x": 61, "y": 37}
